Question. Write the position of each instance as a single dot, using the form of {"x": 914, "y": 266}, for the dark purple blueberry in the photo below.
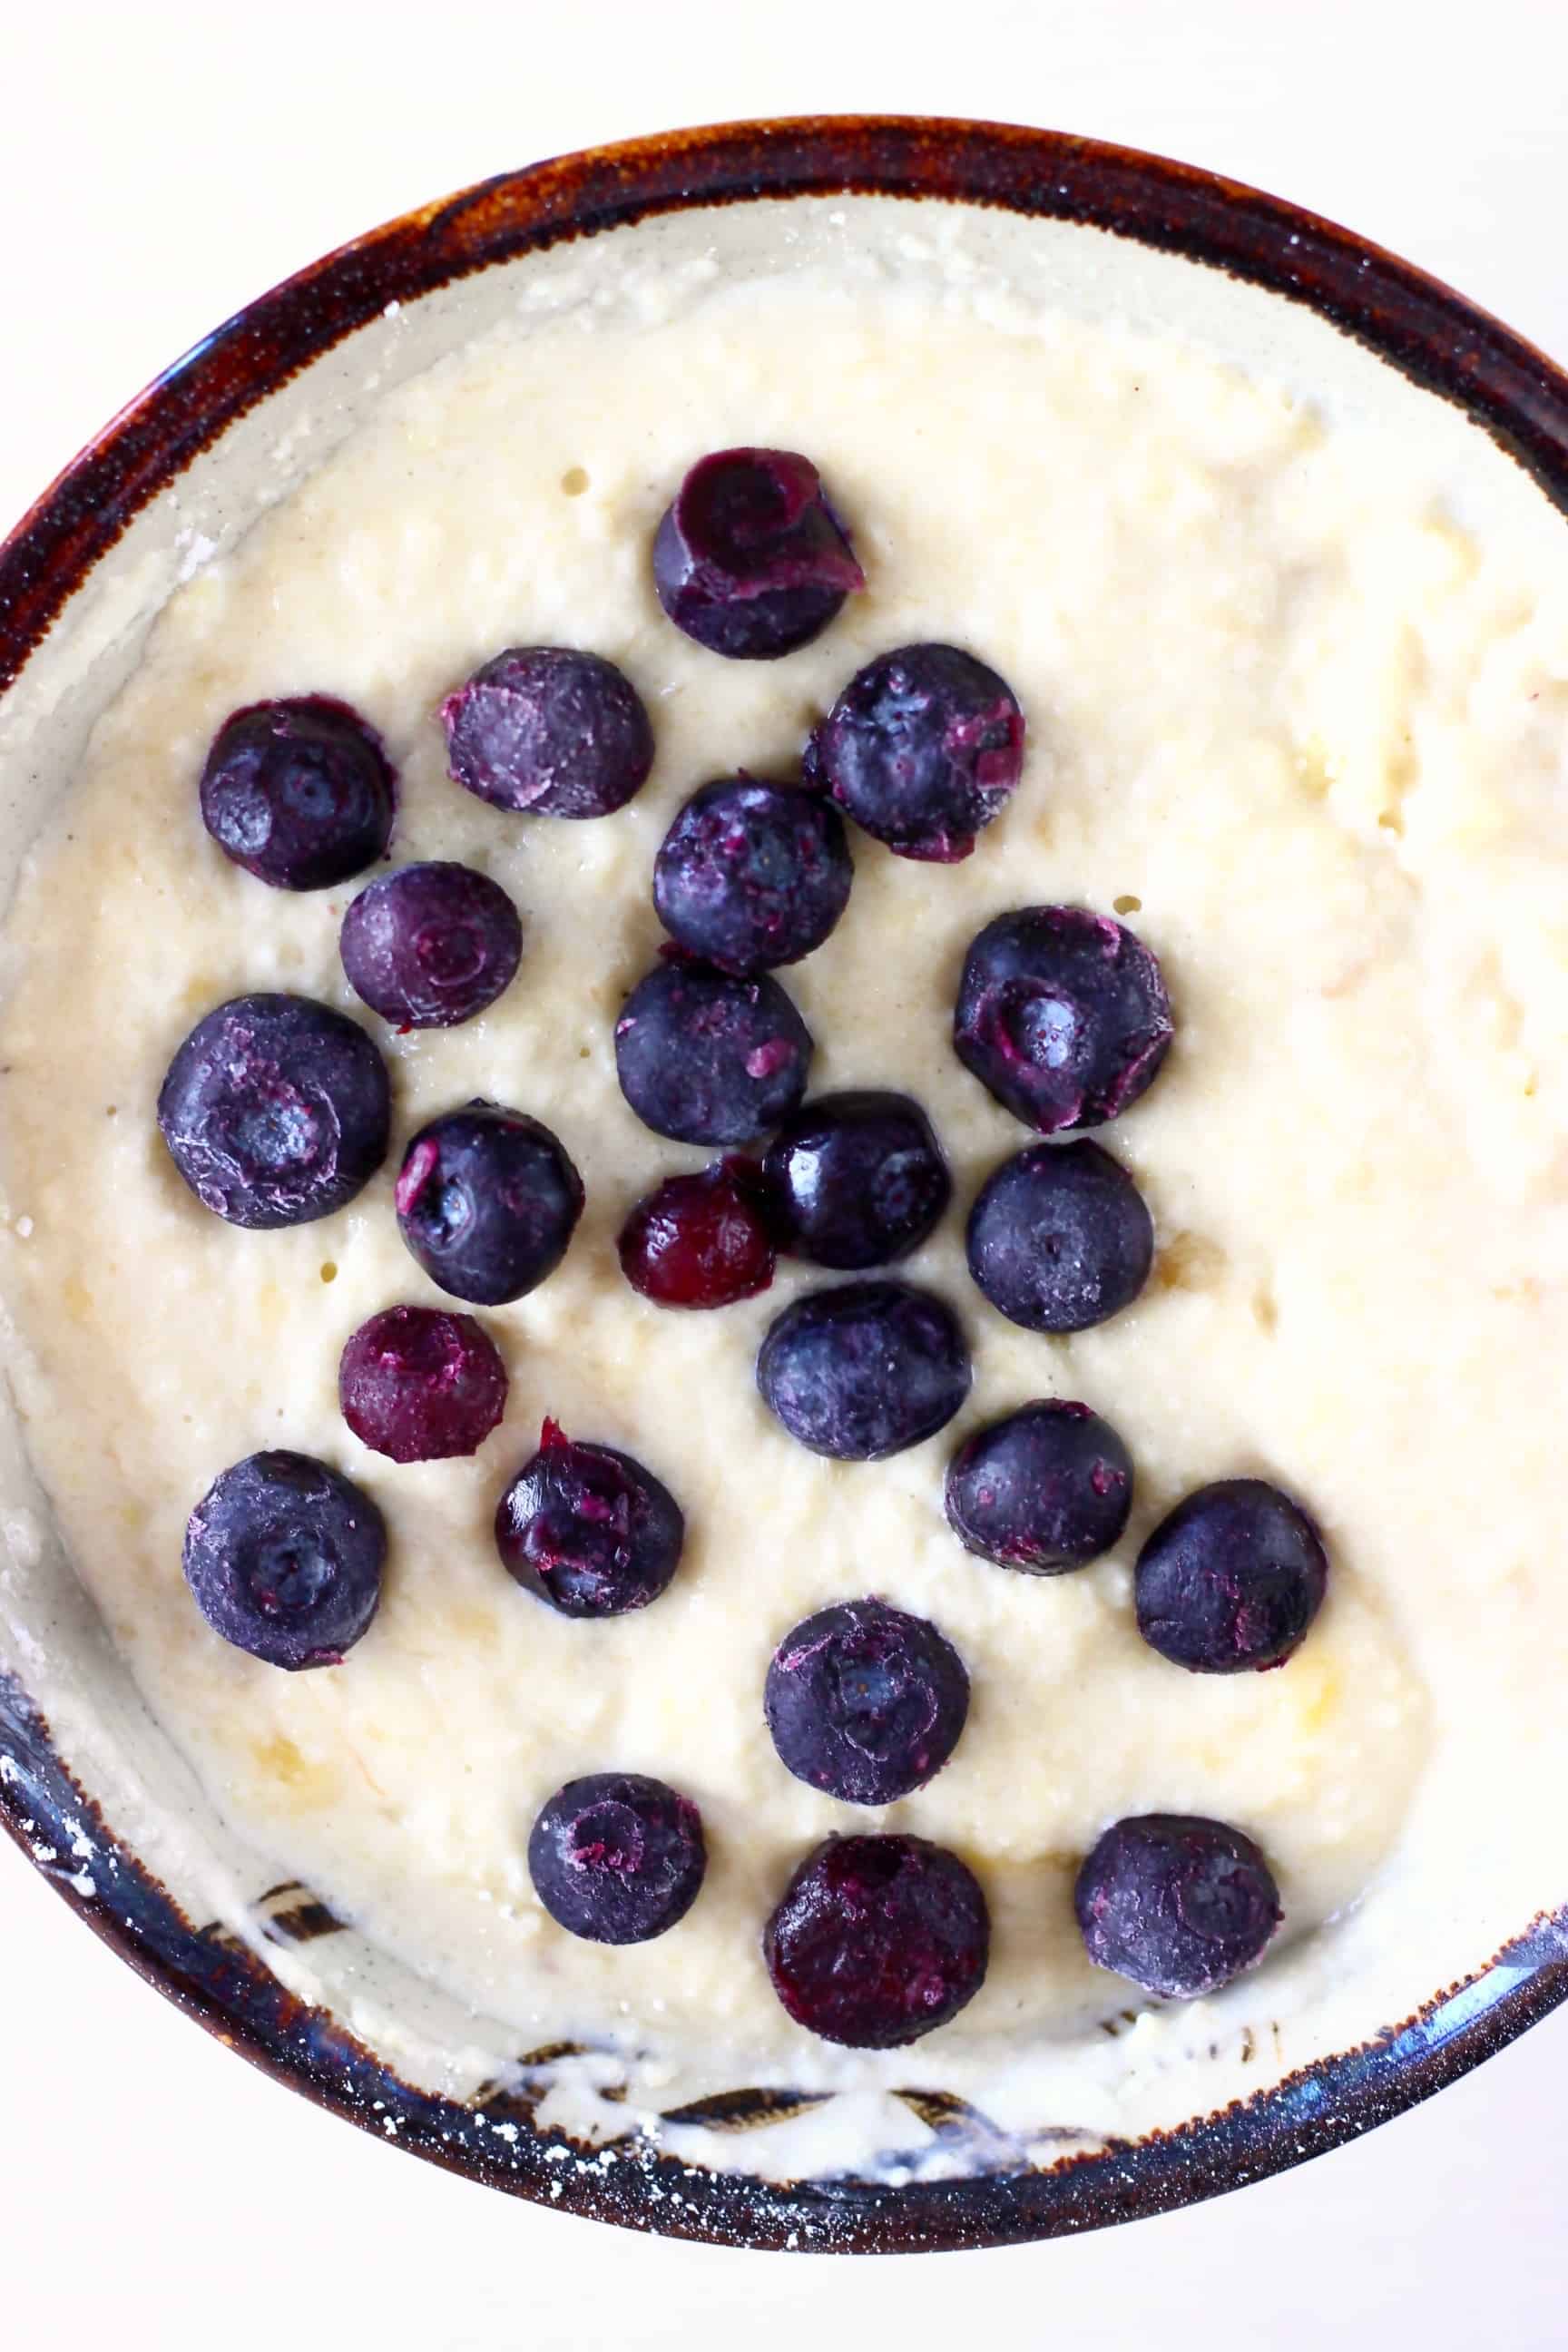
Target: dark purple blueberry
{"x": 857, "y": 1179}
{"x": 1179, "y": 1904}
{"x": 430, "y": 945}
{"x": 487, "y": 1202}
{"x": 588, "y": 1530}
{"x": 299, "y": 792}
{"x": 275, "y": 1111}
{"x": 705, "y": 1057}
{"x": 924, "y": 748}
{"x": 617, "y": 1857}
{"x": 1063, "y": 1015}
{"x": 866, "y": 1702}
{"x": 420, "y": 1385}
{"x": 550, "y": 732}
{"x": 284, "y": 1558}
{"x": 750, "y": 559}
{"x": 1060, "y": 1238}
{"x": 700, "y": 1240}
{"x": 865, "y": 1369}
{"x": 1046, "y": 1490}
{"x": 753, "y": 874}
{"x": 1232, "y": 1580}
{"x": 877, "y": 1940}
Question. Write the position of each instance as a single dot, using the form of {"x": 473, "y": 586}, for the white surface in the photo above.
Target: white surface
{"x": 160, "y": 166}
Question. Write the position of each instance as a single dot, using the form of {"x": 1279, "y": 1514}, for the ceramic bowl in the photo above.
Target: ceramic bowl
{"x": 90, "y": 1791}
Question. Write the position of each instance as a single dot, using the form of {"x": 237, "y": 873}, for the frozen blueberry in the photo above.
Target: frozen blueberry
{"x": 487, "y": 1202}
{"x": 430, "y": 945}
{"x": 750, "y": 559}
{"x": 753, "y": 874}
{"x": 865, "y": 1369}
{"x": 1063, "y": 1015}
{"x": 299, "y": 792}
{"x": 617, "y": 1857}
{"x": 419, "y": 1385}
{"x": 588, "y": 1530}
{"x": 858, "y": 1180}
{"x": 275, "y": 1111}
{"x": 700, "y": 1240}
{"x": 924, "y": 748}
{"x": 877, "y": 1940}
{"x": 284, "y": 1558}
{"x": 1179, "y": 1904}
{"x": 705, "y": 1057}
{"x": 1060, "y": 1238}
{"x": 1046, "y": 1490}
{"x": 1232, "y": 1580}
{"x": 866, "y": 1702}
{"x": 550, "y": 732}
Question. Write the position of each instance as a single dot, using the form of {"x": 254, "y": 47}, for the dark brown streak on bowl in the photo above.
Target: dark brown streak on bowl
{"x": 1432, "y": 333}
{"x": 1436, "y": 337}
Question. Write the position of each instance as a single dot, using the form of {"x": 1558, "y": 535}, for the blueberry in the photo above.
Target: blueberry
{"x": 1179, "y": 1904}
{"x": 866, "y": 1702}
{"x": 588, "y": 1530}
{"x": 705, "y": 1057}
{"x": 1060, "y": 1238}
{"x": 420, "y": 1385}
{"x": 275, "y": 1111}
{"x": 487, "y": 1202}
{"x": 700, "y": 1240}
{"x": 865, "y": 1369}
{"x": 430, "y": 945}
{"x": 1232, "y": 1580}
{"x": 284, "y": 1558}
{"x": 299, "y": 792}
{"x": 877, "y": 1940}
{"x": 546, "y": 730}
{"x": 923, "y": 749}
{"x": 753, "y": 874}
{"x": 1062, "y": 1015}
{"x": 858, "y": 1180}
{"x": 1046, "y": 1490}
{"x": 750, "y": 559}
{"x": 617, "y": 1857}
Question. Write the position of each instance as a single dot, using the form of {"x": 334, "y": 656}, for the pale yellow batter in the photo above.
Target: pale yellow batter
{"x": 1301, "y": 728}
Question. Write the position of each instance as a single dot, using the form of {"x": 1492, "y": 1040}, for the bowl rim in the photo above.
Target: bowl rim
{"x": 1436, "y": 337}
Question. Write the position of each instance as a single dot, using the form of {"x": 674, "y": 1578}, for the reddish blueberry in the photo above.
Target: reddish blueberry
{"x": 1046, "y": 1490}
{"x": 1063, "y": 1015}
{"x": 420, "y": 1385}
{"x": 704, "y": 1057}
{"x": 877, "y": 1940}
{"x": 865, "y": 1369}
{"x": 588, "y": 1530}
{"x": 617, "y": 1857}
{"x": 299, "y": 792}
{"x": 1232, "y": 1580}
{"x": 857, "y": 1180}
{"x": 1060, "y": 1238}
{"x": 549, "y": 731}
{"x": 431, "y": 945}
{"x": 750, "y": 559}
{"x": 284, "y": 1558}
{"x": 753, "y": 874}
{"x": 275, "y": 1111}
{"x": 700, "y": 1240}
{"x": 1179, "y": 1904}
{"x": 487, "y": 1202}
{"x": 923, "y": 749}
{"x": 866, "y": 1702}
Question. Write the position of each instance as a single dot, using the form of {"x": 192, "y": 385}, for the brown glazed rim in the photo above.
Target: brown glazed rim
{"x": 1435, "y": 337}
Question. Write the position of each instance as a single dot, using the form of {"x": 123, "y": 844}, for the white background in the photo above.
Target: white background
{"x": 158, "y": 165}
